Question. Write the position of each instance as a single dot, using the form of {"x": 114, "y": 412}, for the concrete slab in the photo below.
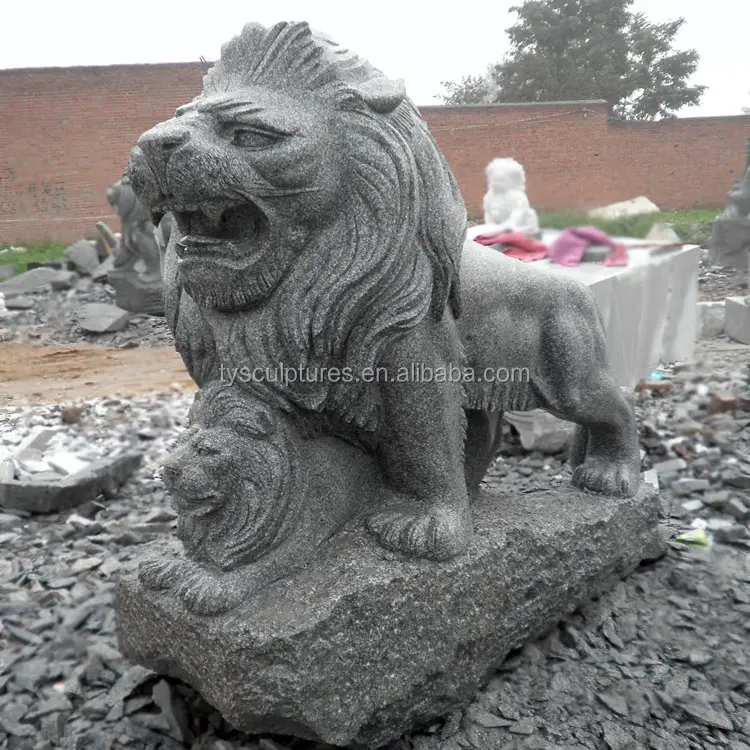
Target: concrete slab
{"x": 737, "y": 319}
{"x": 710, "y": 319}
{"x": 101, "y": 318}
{"x": 51, "y": 493}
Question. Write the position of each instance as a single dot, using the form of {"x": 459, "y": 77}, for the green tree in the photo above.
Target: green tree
{"x": 562, "y": 50}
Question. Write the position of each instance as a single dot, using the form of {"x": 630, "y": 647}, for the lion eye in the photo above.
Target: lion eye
{"x": 253, "y": 138}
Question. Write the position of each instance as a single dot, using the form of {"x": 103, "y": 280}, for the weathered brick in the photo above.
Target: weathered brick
{"x": 68, "y": 133}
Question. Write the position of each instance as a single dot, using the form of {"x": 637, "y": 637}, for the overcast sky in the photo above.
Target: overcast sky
{"x": 410, "y": 39}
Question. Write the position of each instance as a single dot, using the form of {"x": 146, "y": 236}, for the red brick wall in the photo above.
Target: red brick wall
{"x": 575, "y": 158}
{"x": 67, "y": 133}
{"x": 65, "y": 137}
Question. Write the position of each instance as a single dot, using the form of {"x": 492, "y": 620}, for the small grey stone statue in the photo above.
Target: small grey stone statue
{"x": 316, "y": 226}
{"x": 730, "y": 238}
{"x": 339, "y": 574}
{"x": 136, "y": 272}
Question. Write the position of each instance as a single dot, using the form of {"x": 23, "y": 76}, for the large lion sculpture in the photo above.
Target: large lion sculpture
{"x": 317, "y": 227}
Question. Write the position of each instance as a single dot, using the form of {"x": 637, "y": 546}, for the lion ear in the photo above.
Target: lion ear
{"x": 382, "y": 94}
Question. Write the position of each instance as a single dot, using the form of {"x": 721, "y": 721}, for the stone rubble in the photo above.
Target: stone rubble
{"x": 53, "y": 305}
{"x": 661, "y": 662}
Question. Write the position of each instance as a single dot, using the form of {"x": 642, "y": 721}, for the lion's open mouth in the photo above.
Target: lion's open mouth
{"x": 215, "y": 226}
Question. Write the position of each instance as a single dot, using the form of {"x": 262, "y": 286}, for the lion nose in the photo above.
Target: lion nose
{"x": 159, "y": 142}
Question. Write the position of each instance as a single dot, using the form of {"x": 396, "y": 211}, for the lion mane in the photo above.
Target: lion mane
{"x": 393, "y": 256}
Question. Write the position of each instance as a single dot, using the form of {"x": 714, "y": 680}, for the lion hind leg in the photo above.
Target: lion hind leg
{"x": 577, "y": 385}
{"x": 604, "y": 455}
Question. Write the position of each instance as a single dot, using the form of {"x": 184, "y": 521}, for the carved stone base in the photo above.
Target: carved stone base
{"x": 360, "y": 648}
{"x": 135, "y": 295}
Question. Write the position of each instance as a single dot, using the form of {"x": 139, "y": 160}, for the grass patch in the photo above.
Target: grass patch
{"x": 34, "y": 254}
{"x": 691, "y": 226}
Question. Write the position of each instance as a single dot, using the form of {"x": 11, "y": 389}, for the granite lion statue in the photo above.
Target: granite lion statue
{"x": 318, "y": 228}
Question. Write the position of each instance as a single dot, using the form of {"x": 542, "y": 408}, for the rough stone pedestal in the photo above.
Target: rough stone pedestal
{"x": 359, "y": 648}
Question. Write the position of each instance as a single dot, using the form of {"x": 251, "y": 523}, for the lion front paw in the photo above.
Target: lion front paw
{"x": 607, "y": 478}
{"x": 205, "y": 592}
{"x": 159, "y": 574}
{"x": 438, "y": 534}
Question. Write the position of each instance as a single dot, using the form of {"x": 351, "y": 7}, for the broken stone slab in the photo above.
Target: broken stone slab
{"x": 19, "y": 303}
{"x": 710, "y": 319}
{"x": 540, "y": 431}
{"x": 67, "y": 463}
{"x": 30, "y": 281}
{"x": 6, "y": 272}
{"x": 102, "y": 318}
{"x": 56, "y": 264}
{"x": 737, "y": 319}
{"x": 83, "y": 256}
{"x": 63, "y": 280}
{"x": 662, "y": 233}
{"x": 633, "y": 207}
{"x": 358, "y": 648}
{"x": 134, "y": 294}
{"x": 61, "y": 493}
{"x": 37, "y": 440}
{"x": 102, "y": 270}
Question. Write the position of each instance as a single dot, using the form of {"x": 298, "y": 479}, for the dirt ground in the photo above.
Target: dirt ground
{"x": 60, "y": 374}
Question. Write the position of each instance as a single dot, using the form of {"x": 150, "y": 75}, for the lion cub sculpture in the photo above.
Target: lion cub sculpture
{"x": 318, "y": 228}
{"x": 255, "y": 499}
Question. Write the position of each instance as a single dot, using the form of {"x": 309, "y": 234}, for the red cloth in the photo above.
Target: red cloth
{"x": 569, "y": 247}
{"x": 516, "y": 245}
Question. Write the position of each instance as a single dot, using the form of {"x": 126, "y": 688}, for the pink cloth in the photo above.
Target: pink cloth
{"x": 568, "y": 248}
{"x": 517, "y": 245}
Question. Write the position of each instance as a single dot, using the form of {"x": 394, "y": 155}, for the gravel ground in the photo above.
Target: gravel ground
{"x": 661, "y": 662}
{"x": 55, "y": 316}
{"x": 716, "y": 283}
